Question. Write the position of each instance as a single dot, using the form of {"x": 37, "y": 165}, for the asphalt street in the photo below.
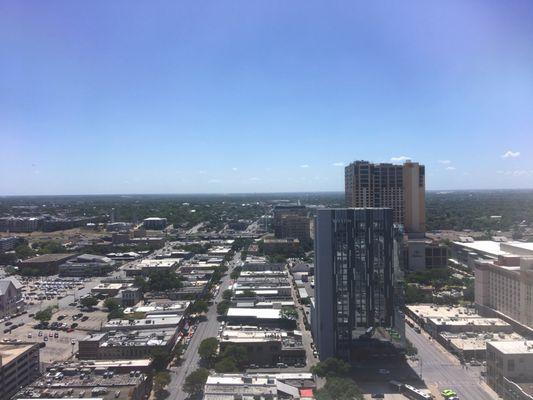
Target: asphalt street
{"x": 440, "y": 370}
{"x": 208, "y": 327}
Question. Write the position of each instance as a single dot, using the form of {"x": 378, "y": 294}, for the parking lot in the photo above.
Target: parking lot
{"x": 60, "y": 344}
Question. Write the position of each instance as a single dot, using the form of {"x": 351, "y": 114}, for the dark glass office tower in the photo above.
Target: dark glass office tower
{"x": 355, "y": 259}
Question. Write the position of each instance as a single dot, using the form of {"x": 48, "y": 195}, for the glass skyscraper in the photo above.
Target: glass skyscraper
{"x": 356, "y": 267}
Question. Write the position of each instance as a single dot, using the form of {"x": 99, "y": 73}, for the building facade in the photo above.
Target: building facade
{"x": 11, "y": 301}
{"x": 505, "y": 285}
{"x": 355, "y": 261}
{"x": 155, "y": 223}
{"x": 19, "y": 365}
{"x": 292, "y": 221}
{"x": 400, "y": 187}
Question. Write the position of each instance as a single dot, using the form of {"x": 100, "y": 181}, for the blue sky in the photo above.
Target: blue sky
{"x": 261, "y": 96}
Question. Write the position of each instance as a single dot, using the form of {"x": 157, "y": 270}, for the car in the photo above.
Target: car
{"x": 378, "y": 396}
{"x": 51, "y": 334}
{"x": 40, "y": 333}
{"x": 45, "y": 338}
{"x": 29, "y": 335}
{"x": 84, "y": 318}
{"x": 7, "y": 330}
{"x": 447, "y": 393}
{"x": 72, "y": 341}
{"x": 9, "y": 323}
{"x": 281, "y": 365}
{"x": 253, "y": 366}
{"x": 383, "y": 371}
{"x": 56, "y": 335}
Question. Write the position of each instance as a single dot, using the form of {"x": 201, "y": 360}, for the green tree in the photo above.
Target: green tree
{"x": 247, "y": 293}
{"x": 235, "y": 273}
{"x": 161, "y": 380}
{"x": 226, "y": 294}
{"x": 226, "y": 365}
{"x": 44, "y": 315}
{"x": 89, "y": 301}
{"x": 160, "y": 359}
{"x": 208, "y": 348}
{"x": 141, "y": 283}
{"x": 199, "y": 307}
{"x": 237, "y": 353}
{"x": 24, "y": 251}
{"x": 222, "y": 307}
{"x": 331, "y": 367}
{"x": 112, "y": 304}
{"x": 195, "y": 381}
{"x": 339, "y": 389}
{"x": 164, "y": 280}
{"x": 51, "y": 247}
{"x": 289, "y": 312}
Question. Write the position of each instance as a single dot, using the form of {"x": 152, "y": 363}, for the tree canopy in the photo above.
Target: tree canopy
{"x": 195, "y": 381}
{"x": 208, "y": 348}
{"x": 339, "y": 389}
{"x": 331, "y": 367}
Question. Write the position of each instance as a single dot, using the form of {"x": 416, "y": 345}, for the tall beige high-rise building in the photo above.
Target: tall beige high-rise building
{"x": 400, "y": 187}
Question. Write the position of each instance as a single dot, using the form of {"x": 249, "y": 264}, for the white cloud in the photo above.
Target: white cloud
{"x": 516, "y": 172}
{"x": 304, "y": 166}
{"x": 445, "y": 162}
{"x": 338, "y": 164}
{"x": 450, "y": 168}
{"x": 234, "y": 169}
{"x": 202, "y": 172}
{"x": 254, "y": 178}
{"x": 399, "y": 159}
{"x": 511, "y": 154}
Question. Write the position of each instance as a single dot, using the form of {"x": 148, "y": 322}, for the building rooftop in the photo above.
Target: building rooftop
{"x": 260, "y": 313}
{"x": 477, "y": 341}
{"x": 48, "y": 258}
{"x": 171, "y": 307}
{"x": 97, "y": 383}
{"x": 146, "y": 323}
{"x": 4, "y": 284}
{"x": 468, "y": 321}
{"x": 515, "y": 347}
{"x": 9, "y": 352}
{"x": 431, "y": 310}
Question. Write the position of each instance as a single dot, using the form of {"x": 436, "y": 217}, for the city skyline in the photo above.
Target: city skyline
{"x": 262, "y": 97}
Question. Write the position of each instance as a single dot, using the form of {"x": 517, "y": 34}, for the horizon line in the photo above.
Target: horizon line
{"x": 244, "y": 193}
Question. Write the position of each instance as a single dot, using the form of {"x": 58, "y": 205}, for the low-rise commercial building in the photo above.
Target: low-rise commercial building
{"x": 165, "y": 307}
{"x": 155, "y": 223}
{"x": 259, "y": 386}
{"x": 153, "y": 322}
{"x": 284, "y": 246}
{"x": 467, "y": 251}
{"x": 509, "y": 362}
{"x": 86, "y": 265}
{"x": 473, "y": 345}
{"x": 147, "y": 266}
{"x": 14, "y": 224}
{"x": 19, "y": 365}
{"x": 9, "y": 243}
{"x": 11, "y": 301}
{"x": 46, "y": 264}
{"x": 87, "y": 381}
{"x": 264, "y": 317}
{"x": 115, "y": 345}
{"x": 505, "y": 286}
{"x": 265, "y": 347}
